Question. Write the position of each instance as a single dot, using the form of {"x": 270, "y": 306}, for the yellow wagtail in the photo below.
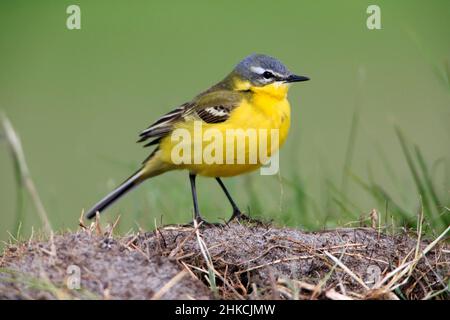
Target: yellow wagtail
{"x": 252, "y": 96}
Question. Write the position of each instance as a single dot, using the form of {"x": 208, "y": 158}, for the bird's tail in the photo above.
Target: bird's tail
{"x": 152, "y": 167}
{"x": 117, "y": 193}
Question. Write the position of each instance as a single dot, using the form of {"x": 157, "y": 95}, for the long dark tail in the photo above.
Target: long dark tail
{"x": 126, "y": 186}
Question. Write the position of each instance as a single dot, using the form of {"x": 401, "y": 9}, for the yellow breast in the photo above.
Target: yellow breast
{"x": 271, "y": 101}
{"x": 266, "y": 115}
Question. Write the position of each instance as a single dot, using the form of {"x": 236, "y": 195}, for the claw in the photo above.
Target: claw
{"x": 239, "y": 216}
{"x": 204, "y": 223}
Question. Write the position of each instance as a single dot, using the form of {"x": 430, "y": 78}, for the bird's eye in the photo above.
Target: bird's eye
{"x": 267, "y": 75}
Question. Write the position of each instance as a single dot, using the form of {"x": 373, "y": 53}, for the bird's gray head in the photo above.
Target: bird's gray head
{"x": 261, "y": 70}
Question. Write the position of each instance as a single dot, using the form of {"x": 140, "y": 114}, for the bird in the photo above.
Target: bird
{"x": 252, "y": 96}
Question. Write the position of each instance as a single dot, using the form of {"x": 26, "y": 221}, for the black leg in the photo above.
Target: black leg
{"x": 236, "y": 212}
{"x": 194, "y": 196}
{"x": 197, "y": 215}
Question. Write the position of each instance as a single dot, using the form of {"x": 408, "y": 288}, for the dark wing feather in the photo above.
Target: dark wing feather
{"x": 153, "y": 142}
{"x": 163, "y": 125}
{"x": 214, "y": 114}
{"x": 209, "y": 107}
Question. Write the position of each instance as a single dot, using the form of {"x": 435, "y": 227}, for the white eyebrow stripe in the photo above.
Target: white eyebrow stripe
{"x": 257, "y": 70}
{"x": 260, "y": 70}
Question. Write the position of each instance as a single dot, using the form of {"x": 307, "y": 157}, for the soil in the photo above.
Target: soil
{"x": 249, "y": 261}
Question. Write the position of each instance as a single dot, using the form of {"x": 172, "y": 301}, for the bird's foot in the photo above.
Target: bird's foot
{"x": 239, "y": 216}
{"x": 202, "y": 223}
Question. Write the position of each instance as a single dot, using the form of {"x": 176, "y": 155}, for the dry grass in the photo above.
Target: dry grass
{"x": 23, "y": 172}
{"x": 251, "y": 261}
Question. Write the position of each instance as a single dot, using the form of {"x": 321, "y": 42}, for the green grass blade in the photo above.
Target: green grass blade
{"x": 415, "y": 174}
{"x": 427, "y": 178}
{"x": 350, "y": 150}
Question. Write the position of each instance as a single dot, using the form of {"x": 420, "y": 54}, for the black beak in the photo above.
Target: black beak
{"x": 295, "y": 78}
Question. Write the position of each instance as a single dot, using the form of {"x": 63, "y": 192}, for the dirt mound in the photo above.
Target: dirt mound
{"x": 251, "y": 261}
{"x": 108, "y": 269}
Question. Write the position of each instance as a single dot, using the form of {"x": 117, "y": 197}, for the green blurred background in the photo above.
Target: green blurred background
{"x": 78, "y": 99}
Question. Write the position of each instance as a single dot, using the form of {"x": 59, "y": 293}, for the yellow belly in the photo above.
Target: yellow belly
{"x": 241, "y": 148}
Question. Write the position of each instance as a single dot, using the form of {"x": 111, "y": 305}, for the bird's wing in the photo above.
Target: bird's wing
{"x": 209, "y": 107}
{"x": 163, "y": 126}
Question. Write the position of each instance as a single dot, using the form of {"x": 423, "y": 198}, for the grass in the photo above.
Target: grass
{"x": 23, "y": 177}
{"x": 416, "y": 201}
{"x": 90, "y": 130}
{"x": 297, "y": 205}
{"x": 431, "y": 219}
{"x": 338, "y": 209}
{"x": 248, "y": 260}
{"x": 44, "y": 285}
{"x": 435, "y": 203}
